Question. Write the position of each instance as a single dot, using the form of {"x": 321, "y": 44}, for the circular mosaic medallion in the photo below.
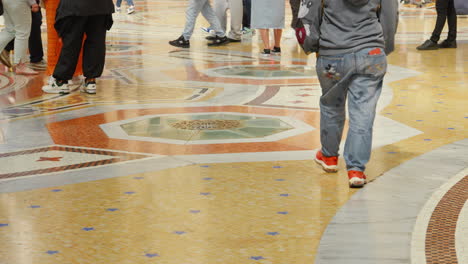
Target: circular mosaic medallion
{"x": 207, "y": 124}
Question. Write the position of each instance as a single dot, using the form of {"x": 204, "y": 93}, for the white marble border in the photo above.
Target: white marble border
{"x": 418, "y": 242}
{"x": 376, "y": 224}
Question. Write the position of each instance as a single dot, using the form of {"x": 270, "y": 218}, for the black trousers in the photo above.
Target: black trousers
{"x": 445, "y": 12}
{"x": 36, "y": 50}
{"x": 295, "y": 5}
{"x": 94, "y": 49}
{"x": 247, "y": 13}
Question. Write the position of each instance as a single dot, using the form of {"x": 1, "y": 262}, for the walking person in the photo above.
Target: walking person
{"x": 74, "y": 20}
{"x": 36, "y": 51}
{"x": 195, "y": 7}
{"x": 221, "y": 7}
{"x": 130, "y": 6}
{"x": 445, "y": 12}
{"x": 351, "y": 66}
{"x": 266, "y": 15}
{"x": 246, "y": 17}
{"x": 17, "y": 16}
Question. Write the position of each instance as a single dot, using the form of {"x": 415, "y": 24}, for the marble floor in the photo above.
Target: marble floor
{"x": 205, "y": 155}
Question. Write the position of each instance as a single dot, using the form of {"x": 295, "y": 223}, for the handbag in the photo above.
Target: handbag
{"x": 461, "y": 7}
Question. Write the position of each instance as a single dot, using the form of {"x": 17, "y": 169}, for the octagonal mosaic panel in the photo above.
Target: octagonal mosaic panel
{"x": 206, "y": 128}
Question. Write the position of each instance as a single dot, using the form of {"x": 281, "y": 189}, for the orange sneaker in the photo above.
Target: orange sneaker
{"x": 357, "y": 179}
{"x": 329, "y": 164}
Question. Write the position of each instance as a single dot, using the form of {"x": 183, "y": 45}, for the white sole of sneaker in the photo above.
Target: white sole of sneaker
{"x": 325, "y": 167}
{"x": 356, "y": 182}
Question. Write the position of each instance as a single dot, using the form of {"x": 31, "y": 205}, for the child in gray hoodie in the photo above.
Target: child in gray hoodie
{"x": 351, "y": 38}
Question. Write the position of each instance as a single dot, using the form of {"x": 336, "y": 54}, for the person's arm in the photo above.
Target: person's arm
{"x": 310, "y": 14}
{"x": 389, "y": 20}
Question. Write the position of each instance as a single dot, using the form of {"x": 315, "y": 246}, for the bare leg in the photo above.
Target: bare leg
{"x": 278, "y": 33}
{"x": 265, "y": 34}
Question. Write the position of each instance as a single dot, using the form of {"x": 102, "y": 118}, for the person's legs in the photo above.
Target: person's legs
{"x": 72, "y": 40}
{"x": 236, "y": 19}
{"x": 220, "y": 9}
{"x": 193, "y": 10}
{"x": 130, "y": 3}
{"x": 441, "y": 7}
{"x": 247, "y": 13}
{"x": 35, "y": 39}
{"x": 363, "y": 94}
{"x": 278, "y": 33}
{"x": 94, "y": 50}
{"x": 452, "y": 21}
{"x": 118, "y": 3}
{"x": 210, "y": 16}
{"x": 18, "y": 22}
{"x": 265, "y": 35}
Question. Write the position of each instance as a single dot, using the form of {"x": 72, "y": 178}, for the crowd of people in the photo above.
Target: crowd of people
{"x": 351, "y": 57}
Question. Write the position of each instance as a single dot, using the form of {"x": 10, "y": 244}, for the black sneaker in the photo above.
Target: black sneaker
{"x": 210, "y": 38}
{"x": 266, "y": 52}
{"x": 234, "y": 40}
{"x": 446, "y": 44}
{"x": 218, "y": 41}
{"x": 180, "y": 42}
{"x": 276, "y": 50}
{"x": 428, "y": 45}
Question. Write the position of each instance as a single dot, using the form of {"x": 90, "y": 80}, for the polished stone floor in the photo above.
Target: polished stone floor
{"x": 205, "y": 155}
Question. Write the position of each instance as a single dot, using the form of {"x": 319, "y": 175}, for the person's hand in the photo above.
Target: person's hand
{"x": 35, "y": 8}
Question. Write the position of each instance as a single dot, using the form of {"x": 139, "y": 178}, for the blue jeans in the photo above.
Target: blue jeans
{"x": 119, "y": 3}
{"x": 358, "y": 78}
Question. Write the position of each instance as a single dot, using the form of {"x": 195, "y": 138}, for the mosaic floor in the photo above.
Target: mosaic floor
{"x": 205, "y": 156}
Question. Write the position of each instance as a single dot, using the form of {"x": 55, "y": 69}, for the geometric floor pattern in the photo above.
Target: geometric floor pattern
{"x": 205, "y": 156}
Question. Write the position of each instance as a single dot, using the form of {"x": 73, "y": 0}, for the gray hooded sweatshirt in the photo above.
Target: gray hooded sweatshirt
{"x": 346, "y": 26}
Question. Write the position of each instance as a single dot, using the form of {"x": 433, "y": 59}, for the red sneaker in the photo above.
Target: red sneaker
{"x": 329, "y": 164}
{"x": 357, "y": 179}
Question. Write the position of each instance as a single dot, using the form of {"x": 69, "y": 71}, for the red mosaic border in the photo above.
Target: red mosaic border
{"x": 120, "y": 157}
{"x": 440, "y": 236}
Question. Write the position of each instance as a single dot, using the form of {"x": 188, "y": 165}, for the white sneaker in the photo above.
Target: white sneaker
{"x": 22, "y": 69}
{"x": 56, "y": 88}
{"x": 130, "y": 10}
{"x": 118, "y": 9}
{"x": 89, "y": 88}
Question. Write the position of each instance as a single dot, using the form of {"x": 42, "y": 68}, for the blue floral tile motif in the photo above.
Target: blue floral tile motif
{"x": 112, "y": 209}
{"x": 205, "y": 193}
{"x": 388, "y": 113}
{"x": 52, "y": 252}
{"x": 277, "y": 167}
{"x": 205, "y": 166}
{"x": 440, "y": 102}
{"x": 451, "y": 128}
{"x": 273, "y": 233}
{"x": 56, "y": 190}
{"x": 392, "y": 152}
{"x": 257, "y": 257}
{"x": 419, "y": 120}
{"x": 400, "y": 105}
{"x": 129, "y": 192}
{"x": 138, "y": 178}
{"x": 435, "y": 111}
{"x": 180, "y": 232}
{"x": 207, "y": 179}
{"x": 3, "y": 225}
{"x": 284, "y": 195}
{"x": 466, "y": 116}
{"x": 88, "y": 229}
{"x": 149, "y": 255}
{"x": 283, "y": 213}
{"x": 427, "y": 139}
{"x": 195, "y": 211}
{"x": 280, "y": 180}
{"x": 35, "y": 206}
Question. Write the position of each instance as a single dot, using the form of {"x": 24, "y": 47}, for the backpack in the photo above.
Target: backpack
{"x": 461, "y": 6}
